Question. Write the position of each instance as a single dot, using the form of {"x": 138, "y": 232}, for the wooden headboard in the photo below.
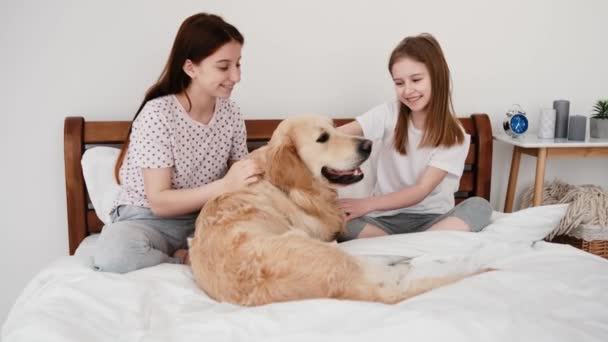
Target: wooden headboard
{"x": 78, "y": 133}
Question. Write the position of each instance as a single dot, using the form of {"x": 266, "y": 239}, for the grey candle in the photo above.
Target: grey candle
{"x": 577, "y": 128}
{"x": 562, "y": 110}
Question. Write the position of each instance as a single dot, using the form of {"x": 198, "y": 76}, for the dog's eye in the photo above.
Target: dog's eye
{"x": 323, "y": 138}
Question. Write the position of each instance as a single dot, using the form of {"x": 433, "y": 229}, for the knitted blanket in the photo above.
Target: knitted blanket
{"x": 588, "y": 204}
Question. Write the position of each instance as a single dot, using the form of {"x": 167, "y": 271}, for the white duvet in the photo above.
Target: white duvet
{"x": 541, "y": 292}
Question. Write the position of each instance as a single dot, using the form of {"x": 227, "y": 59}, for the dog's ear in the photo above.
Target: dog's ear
{"x": 286, "y": 170}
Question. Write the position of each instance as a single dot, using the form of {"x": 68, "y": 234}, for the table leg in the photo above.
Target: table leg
{"x": 539, "y": 181}
{"x": 512, "y": 179}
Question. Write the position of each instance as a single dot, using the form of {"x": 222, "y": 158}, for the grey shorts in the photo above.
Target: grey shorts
{"x": 475, "y": 211}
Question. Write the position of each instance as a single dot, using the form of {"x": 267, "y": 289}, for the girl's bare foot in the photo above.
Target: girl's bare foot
{"x": 183, "y": 255}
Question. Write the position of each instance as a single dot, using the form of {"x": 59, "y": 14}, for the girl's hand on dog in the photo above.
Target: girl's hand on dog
{"x": 354, "y": 207}
{"x": 241, "y": 174}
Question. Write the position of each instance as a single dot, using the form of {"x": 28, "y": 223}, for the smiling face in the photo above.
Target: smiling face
{"x": 330, "y": 156}
{"x": 217, "y": 74}
{"x": 412, "y": 84}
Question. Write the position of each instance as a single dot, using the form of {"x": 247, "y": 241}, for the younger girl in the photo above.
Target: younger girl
{"x": 182, "y": 140}
{"x": 422, "y": 150}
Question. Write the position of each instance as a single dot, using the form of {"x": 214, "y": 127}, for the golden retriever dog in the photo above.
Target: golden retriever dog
{"x": 268, "y": 242}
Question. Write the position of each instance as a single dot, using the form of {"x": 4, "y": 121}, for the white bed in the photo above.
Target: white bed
{"x": 540, "y": 292}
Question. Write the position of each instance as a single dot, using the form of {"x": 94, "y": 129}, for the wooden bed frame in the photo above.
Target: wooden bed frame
{"x": 78, "y": 133}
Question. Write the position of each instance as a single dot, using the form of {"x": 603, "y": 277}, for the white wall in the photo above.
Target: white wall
{"x": 96, "y": 58}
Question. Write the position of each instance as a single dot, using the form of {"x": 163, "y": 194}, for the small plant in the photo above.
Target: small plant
{"x": 600, "y": 109}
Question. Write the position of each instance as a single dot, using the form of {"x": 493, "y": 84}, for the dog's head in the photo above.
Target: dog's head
{"x": 308, "y": 148}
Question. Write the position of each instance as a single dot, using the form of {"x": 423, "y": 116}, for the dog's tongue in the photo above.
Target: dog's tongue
{"x": 355, "y": 172}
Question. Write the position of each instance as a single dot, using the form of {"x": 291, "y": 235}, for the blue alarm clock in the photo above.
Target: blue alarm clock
{"x": 516, "y": 122}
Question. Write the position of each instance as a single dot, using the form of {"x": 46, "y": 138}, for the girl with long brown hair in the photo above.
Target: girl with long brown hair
{"x": 184, "y": 147}
{"x": 422, "y": 150}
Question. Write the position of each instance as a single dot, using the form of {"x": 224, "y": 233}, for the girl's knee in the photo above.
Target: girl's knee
{"x": 117, "y": 256}
{"x": 110, "y": 263}
{"x": 352, "y": 230}
{"x": 479, "y": 205}
{"x": 479, "y": 210}
{"x": 118, "y": 249}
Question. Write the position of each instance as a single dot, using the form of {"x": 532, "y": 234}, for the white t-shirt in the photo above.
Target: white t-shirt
{"x": 395, "y": 172}
{"x": 164, "y": 135}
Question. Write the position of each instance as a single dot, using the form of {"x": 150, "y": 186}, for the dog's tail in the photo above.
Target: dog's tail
{"x": 380, "y": 284}
{"x": 416, "y": 286}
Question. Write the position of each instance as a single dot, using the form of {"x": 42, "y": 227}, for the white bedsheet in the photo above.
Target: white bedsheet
{"x": 542, "y": 292}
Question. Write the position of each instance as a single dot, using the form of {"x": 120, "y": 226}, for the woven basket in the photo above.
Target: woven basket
{"x": 592, "y": 239}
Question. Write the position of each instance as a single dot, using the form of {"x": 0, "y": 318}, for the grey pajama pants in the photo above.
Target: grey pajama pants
{"x": 137, "y": 238}
{"x": 475, "y": 211}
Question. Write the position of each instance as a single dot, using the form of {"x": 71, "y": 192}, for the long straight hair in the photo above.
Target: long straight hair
{"x": 441, "y": 127}
{"x": 198, "y": 37}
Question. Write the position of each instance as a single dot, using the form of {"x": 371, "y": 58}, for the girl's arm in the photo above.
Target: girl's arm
{"x": 431, "y": 177}
{"x": 167, "y": 202}
{"x": 352, "y": 128}
{"x": 412, "y": 195}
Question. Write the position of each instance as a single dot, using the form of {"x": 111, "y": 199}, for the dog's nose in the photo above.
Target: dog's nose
{"x": 365, "y": 147}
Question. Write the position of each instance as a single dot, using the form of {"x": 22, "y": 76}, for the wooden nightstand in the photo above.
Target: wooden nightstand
{"x": 543, "y": 149}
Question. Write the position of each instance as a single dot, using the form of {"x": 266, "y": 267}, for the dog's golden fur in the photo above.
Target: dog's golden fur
{"x": 269, "y": 242}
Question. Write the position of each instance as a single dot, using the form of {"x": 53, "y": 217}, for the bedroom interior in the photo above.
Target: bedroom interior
{"x": 66, "y": 76}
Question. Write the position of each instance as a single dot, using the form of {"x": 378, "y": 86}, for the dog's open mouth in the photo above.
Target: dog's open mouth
{"x": 342, "y": 176}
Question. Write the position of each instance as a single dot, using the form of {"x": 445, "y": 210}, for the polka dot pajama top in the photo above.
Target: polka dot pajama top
{"x": 164, "y": 135}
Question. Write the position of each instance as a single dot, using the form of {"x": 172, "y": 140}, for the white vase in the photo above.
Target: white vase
{"x": 546, "y": 123}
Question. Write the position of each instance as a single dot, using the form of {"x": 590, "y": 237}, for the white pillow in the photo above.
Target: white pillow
{"x": 98, "y": 171}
